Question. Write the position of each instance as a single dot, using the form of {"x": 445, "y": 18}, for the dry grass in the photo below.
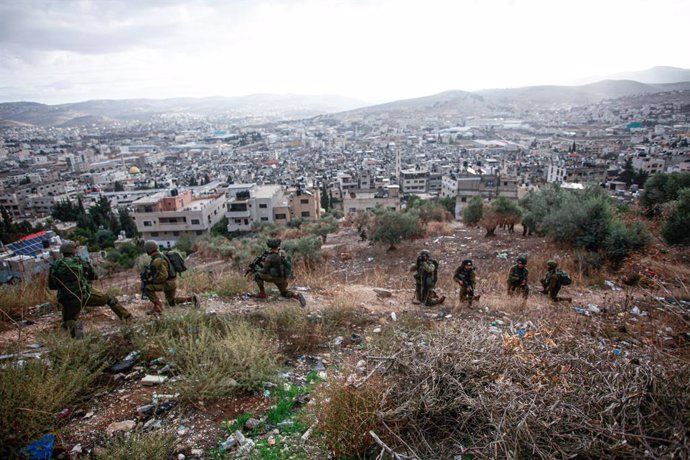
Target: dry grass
{"x": 346, "y": 415}
{"x": 435, "y": 228}
{"x": 548, "y": 395}
{"x": 150, "y": 446}
{"x": 216, "y": 355}
{"x": 225, "y": 284}
{"x": 297, "y": 329}
{"x": 32, "y": 392}
{"x": 16, "y": 299}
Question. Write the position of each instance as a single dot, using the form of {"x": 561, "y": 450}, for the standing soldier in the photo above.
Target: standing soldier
{"x": 275, "y": 267}
{"x": 71, "y": 276}
{"x": 466, "y": 278}
{"x": 160, "y": 276}
{"x": 517, "y": 278}
{"x": 553, "y": 280}
{"x": 426, "y": 276}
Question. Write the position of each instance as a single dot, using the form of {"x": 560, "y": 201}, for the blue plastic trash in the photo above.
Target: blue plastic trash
{"x": 40, "y": 449}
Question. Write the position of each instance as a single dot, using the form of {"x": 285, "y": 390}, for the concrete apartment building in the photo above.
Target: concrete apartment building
{"x": 364, "y": 200}
{"x": 464, "y": 186}
{"x": 166, "y": 216}
{"x": 648, "y": 163}
{"x": 414, "y": 180}
{"x": 250, "y": 203}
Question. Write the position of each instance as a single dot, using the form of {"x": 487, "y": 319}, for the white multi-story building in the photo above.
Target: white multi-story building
{"x": 166, "y": 216}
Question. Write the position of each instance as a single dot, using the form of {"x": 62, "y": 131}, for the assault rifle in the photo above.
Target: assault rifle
{"x": 144, "y": 275}
{"x": 256, "y": 264}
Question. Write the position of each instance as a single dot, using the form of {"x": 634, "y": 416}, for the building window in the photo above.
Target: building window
{"x": 176, "y": 233}
{"x": 147, "y": 223}
{"x": 281, "y": 216}
{"x": 195, "y": 222}
{"x": 305, "y": 213}
{"x": 304, "y": 201}
{"x": 264, "y": 219}
{"x": 263, "y": 206}
{"x": 154, "y": 233}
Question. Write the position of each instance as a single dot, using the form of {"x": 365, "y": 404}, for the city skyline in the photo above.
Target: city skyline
{"x": 374, "y": 51}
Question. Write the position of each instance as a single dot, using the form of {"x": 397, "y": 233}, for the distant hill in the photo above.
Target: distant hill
{"x": 271, "y": 107}
{"x": 492, "y": 101}
{"x": 655, "y": 75}
{"x": 268, "y": 106}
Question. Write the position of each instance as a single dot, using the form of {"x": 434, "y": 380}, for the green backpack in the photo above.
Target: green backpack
{"x": 564, "y": 278}
{"x": 68, "y": 277}
{"x": 177, "y": 262}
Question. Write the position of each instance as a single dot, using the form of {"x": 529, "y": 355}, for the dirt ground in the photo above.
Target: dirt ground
{"x": 352, "y": 270}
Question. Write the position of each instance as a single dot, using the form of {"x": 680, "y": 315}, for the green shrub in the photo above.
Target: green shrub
{"x": 219, "y": 358}
{"x": 474, "y": 211}
{"x": 622, "y": 240}
{"x": 392, "y": 227}
{"x": 675, "y": 229}
{"x": 662, "y": 188}
{"x": 231, "y": 285}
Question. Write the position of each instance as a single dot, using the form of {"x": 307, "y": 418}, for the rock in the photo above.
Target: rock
{"x": 228, "y": 443}
{"x": 318, "y": 366}
{"x": 377, "y": 330}
{"x": 151, "y": 380}
{"x": 89, "y": 414}
{"x": 197, "y": 453}
{"x": 125, "y": 425}
{"x": 182, "y": 430}
{"x": 181, "y": 456}
{"x": 394, "y": 317}
{"x": 146, "y": 410}
{"x": 76, "y": 450}
{"x": 126, "y": 364}
{"x": 252, "y": 424}
{"x": 338, "y": 341}
{"x": 153, "y": 424}
{"x": 271, "y": 441}
{"x": 383, "y": 292}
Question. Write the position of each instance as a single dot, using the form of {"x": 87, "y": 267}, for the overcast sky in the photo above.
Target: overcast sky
{"x": 373, "y": 50}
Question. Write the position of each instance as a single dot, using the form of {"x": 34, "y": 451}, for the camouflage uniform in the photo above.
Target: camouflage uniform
{"x": 158, "y": 279}
{"x": 71, "y": 277}
{"x": 517, "y": 278}
{"x": 551, "y": 281}
{"x": 272, "y": 270}
{"x": 465, "y": 276}
{"x": 426, "y": 276}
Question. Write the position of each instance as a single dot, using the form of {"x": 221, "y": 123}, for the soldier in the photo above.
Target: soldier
{"x": 466, "y": 278}
{"x": 517, "y": 278}
{"x": 553, "y": 280}
{"x": 275, "y": 267}
{"x": 426, "y": 276}
{"x": 160, "y": 276}
{"x": 71, "y": 276}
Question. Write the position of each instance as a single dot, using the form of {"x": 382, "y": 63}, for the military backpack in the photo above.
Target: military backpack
{"x": 564, "y": 278}
{"x": 68, "y": 277}
{"x": 176, "y": 261}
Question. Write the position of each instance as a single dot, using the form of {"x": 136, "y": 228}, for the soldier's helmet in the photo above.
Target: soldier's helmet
{"x": 273, "y": 243}
{"x": 466, "y": 262}
{"x": 150, "y": 246}
{"x": 425, "y": 252}
{"x": 522, "y": 260}
{"x": 552, "y": 264}
{"x": 68, "y": 248}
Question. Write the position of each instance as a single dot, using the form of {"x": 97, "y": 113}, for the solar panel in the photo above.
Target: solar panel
{"x": 30, "y": 247}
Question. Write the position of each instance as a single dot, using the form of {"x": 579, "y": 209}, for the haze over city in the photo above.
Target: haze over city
{"x": 374, "y": 51}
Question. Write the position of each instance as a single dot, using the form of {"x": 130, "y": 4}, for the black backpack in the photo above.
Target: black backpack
{"x": 564, "y": 278}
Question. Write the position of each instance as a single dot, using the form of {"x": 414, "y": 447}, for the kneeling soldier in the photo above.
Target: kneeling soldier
{"x": 71, "y": 276}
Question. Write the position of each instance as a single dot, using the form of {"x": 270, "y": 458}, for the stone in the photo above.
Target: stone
{"x": 252, "y": 424}
{"x": 145, "y": 410}
{"x": 151, "y": 380}
{"x": 383, "y": 292}
{"x": 377, "y": 330}
{"x": 153, "y": 424}
{"x": 228, "y": 443}
{"x": 125, "y": 425}
{"x": 76, "y": 449}
{"x": 197, "y": 453}
{"x": 182, "y": 430}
